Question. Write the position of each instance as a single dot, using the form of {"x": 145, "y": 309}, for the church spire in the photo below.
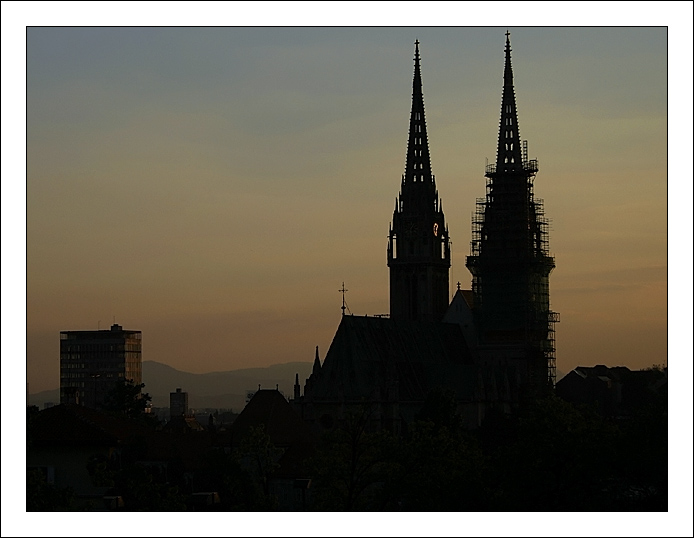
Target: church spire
{"x": 509, "y": 157}
{"x": 509, "y": 255}
{"x": 418, "y": 164}
{"x": 316, "y": 363}
{"x": 419, "y": 255}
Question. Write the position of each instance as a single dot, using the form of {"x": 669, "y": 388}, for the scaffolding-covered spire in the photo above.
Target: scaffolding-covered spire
{"x": 509, "y": 154}
{"x": 418, "y": 164}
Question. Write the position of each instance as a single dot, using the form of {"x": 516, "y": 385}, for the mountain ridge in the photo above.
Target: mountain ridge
{"x": 220, "y": 389}
{"x": 226, "y": 389}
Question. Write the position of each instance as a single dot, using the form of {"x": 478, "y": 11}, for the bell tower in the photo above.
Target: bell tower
{"x": 510, "y": 261}
{"x": 419, "y": 255}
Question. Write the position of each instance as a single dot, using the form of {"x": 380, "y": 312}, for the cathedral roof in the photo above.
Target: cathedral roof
{"x": 374, "y": 357}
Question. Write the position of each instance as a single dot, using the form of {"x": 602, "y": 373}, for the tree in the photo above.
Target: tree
{"x": 441, "y": 465}
{"x": 258, "y": 456}
{"x": 145, "y": 490}
{"x": 126, "y": 398}
{"x": 352, "y": 466}
{"x": 45, "y": 497}
{"x": 559, "y": 458}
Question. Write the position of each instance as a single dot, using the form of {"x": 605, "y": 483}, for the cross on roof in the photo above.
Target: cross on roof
{"x": 343, "y": 290}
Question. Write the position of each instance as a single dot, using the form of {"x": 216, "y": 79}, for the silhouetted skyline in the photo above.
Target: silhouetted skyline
{"x": 216, "y": 185}
{"x": 172, "y": 174}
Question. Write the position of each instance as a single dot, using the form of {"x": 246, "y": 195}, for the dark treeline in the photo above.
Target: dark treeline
{"x": 551, "y": 456}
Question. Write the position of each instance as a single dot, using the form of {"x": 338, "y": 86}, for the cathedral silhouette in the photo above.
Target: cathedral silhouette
{"x": 489, "y": 347}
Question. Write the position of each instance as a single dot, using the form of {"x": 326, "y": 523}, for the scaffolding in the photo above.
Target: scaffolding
{"x": 510, "y": 264}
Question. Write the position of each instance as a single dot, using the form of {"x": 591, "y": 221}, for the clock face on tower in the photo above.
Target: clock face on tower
{"x": 436, "y": 229}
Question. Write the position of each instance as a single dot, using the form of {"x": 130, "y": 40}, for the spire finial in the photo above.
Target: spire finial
{"x": 509, "y": 156}
{"x": 344, "y": 306}
{"x": 418, "y": 164}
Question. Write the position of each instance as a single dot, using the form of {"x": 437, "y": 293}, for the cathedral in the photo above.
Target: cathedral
{"x": 487, "y": 347}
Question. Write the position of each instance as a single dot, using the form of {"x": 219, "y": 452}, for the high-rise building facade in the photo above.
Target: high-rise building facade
{"x": 419, "y": 255}
{"x": 509, "y": 260}
{"x": 178, "y": 403}
{"x": 92, "y": 361}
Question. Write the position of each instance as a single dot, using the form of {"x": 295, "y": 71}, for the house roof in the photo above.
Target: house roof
{"x": 76, "y": 424}
{"x": 182, "y": 423}
{"x": 269, "y": 408}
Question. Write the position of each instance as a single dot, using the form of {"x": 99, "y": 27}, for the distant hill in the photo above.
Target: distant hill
{"x": 46, "y": 396}
{"x": 220, "y": 389}
{"x": 214, "y": 389}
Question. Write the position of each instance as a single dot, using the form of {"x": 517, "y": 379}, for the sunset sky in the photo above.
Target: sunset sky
{"x": 214, "y": 187}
